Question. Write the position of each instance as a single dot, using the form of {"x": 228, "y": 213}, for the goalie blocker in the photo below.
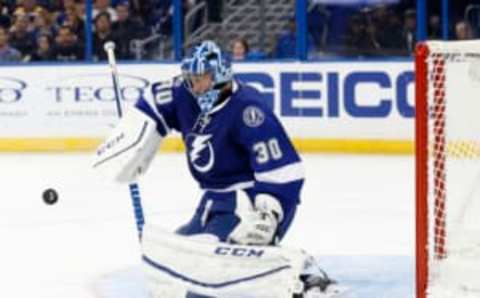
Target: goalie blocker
{"x": 129, "y": 149}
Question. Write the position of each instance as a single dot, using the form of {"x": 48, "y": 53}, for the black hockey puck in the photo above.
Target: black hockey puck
{"x": 50, "y": 196}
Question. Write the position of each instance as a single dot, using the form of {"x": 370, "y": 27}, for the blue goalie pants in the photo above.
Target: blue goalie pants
{"x": 216, "y": 215}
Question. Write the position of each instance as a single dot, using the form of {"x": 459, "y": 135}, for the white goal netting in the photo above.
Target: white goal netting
{"x": 448, "y": 169}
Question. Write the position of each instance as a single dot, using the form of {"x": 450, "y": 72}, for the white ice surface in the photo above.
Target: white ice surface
{"x": 357, "y": 216}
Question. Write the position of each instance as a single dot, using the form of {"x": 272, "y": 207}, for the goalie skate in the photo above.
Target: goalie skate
{"x": 317, "y": 283}
{"x": 332, "y": 291}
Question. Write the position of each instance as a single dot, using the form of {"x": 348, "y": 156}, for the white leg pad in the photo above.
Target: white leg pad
{"x": 177, "y": 264}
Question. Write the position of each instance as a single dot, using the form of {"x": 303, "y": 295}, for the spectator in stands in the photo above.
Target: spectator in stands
{"x": 43, "y": 24}
{"x": 28, "y": 8}
{"x": 127, "y": 29}
{"x": 143, "y": 9}
{"x": 286, "y": 43}
{"x": 361, "y": 37}
{"x": 81, "y": 9}
{"x": 43, "y": 51}
{"x": 67, "y": 46}
{"x": 101, "y": 6}
{"x": 240, "y": 49}
{"x": 60, "y": 6}
{"x": 5, "y": 20}
{"x": 409, "y": 30}
{"x": 103, "y": 33}
{"x": 317, "y": 20}
{"x": 66, "y": 3}
{"x": 47, "y": 4}
{"x": 463, "y": 31}
{"x": 338, "y": 25}
{"x": 7, "y": 53}
{"x": 10, "y": 4}
{"x": 286, "y": 46}
{"x": 73, "y": 20}
{"x": 114, "y": 3}
{"x": 389, "y": 30}
{"x": 21, "y": 38}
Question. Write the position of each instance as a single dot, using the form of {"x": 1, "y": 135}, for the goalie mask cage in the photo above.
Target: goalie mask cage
{"x": 448, "y": 169}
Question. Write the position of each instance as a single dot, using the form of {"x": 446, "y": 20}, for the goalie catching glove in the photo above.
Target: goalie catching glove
{"x": 258, "y": 223}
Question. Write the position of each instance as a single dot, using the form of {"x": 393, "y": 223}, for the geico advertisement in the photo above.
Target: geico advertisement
{"x": 341, "y": 100}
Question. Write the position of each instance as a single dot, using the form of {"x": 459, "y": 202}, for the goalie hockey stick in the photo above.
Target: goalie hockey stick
{"x": 109, "y": 48}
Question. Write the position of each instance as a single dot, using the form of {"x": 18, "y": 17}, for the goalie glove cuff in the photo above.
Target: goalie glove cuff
{"x": 269, "y": 204}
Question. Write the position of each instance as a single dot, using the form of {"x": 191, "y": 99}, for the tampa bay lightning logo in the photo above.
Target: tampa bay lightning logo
{"x": 253, "y": 116}
{"x": 200, "y": 152}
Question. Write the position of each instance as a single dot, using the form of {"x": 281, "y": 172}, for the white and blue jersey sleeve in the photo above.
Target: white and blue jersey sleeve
{"x": 161, "y": 107}
{"x": 277, "y": 167}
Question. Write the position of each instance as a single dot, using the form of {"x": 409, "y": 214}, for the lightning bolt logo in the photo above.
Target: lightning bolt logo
{"x": 198, "y": 145}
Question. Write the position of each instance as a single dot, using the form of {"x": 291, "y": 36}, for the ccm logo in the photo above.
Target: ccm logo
{"x": 239, "y": 252}
{"x": 110, "y": 143}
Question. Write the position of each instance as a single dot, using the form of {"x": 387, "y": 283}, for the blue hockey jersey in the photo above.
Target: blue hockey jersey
{"x": 239, "y": 144}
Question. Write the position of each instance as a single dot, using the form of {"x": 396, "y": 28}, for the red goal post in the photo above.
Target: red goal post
{"x": 447, "y": 144}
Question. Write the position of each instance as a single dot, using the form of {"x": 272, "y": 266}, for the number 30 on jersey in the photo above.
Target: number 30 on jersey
{"x": 267, "y": 150}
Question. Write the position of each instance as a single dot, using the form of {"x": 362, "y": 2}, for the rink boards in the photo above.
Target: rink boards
{"x": 338, "y": 106}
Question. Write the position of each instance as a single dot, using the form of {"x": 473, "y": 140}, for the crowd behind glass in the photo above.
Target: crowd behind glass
{"x": 54, "y": 30}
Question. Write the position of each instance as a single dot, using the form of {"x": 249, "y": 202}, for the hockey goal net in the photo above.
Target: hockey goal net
{"x": 448, "y": 169}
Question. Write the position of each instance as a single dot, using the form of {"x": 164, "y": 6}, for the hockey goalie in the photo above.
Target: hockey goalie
{"x": 251, "y": 175}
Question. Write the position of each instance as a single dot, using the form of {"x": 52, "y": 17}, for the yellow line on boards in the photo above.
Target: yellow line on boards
{"x": 174, "y": 144}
